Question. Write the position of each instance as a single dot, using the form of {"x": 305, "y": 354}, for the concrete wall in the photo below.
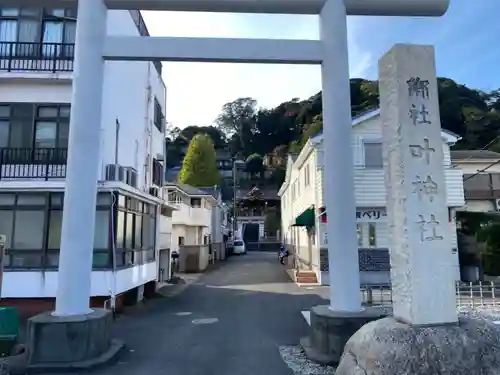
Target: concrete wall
{"x": 28, "y": 284}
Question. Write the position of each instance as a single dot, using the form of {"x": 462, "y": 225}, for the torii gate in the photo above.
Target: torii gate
{"x": 93, "y": 47}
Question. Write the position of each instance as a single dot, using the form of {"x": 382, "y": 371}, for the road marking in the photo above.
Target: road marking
{"x": 183, "y": 313}
{"x": 205, "y": 321}
{"x": 307, "y": 316}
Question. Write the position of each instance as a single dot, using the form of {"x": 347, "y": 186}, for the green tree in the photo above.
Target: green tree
{"x": 254, "y": 164}
{"x": 237, "y": 120}
{"x": 199, "y": 165}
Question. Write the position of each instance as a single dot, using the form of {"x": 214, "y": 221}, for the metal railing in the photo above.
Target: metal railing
{"x": 32, "y": 163}
{"x": 481, "y": 194}
{"x": 46, "y": 57}
{"x": 468, "y": 295}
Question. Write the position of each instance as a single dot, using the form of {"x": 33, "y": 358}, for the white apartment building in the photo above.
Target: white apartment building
{"x": 303, "y": 209}
{"x": 36, "y": 62}
{"x": 192, "y": 218}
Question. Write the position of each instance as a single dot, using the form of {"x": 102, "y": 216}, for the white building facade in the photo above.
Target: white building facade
{"x": 36, "y": 63}
{"x": 303, "y": 207}
{"x": 192, "y": 218}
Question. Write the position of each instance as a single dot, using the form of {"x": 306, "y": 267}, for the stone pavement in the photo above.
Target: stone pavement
{"x": 231, "y": 321}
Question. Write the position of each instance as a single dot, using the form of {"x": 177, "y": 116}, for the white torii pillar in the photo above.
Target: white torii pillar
{"x": 343, "y": 263}
{"x": 338, "y": 181}
{"x": 80, "y": 194}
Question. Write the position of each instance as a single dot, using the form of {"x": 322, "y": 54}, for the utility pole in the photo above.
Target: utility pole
{"x": 235, "y": 225}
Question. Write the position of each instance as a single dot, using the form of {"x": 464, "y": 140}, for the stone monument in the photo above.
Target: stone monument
{"x": 424, "y": 336}
{"x": 421, "y": 254}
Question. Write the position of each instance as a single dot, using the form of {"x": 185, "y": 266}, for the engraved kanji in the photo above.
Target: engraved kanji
{"x": 419, "y": 115}
{"x": 418, "y": 87}
{"x": 429, "y": 229}
{"x": 425, "y": 151}
{"x": 425, "y": 187}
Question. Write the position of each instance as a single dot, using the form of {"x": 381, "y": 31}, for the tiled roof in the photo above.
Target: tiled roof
{"x": 190, "y": 190}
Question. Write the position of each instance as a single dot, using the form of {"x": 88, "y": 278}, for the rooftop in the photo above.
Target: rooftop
{"x": 474, "y": 154}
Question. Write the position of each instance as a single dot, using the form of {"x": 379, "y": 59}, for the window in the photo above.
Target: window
{"x": 32, "y": 25}
{"x": 129, "y": 231}
{"x": 52, "y": 127}
{"x": 359, "y": 233}
{"x": 101, "y": 232}
{"x": 4, "y": 133}
{"x": 157, "y": 172}
{"x": 307, "y": 176}
{"x": 120, "y": 230}
{"x": 28, "y": 230}
{"x": 373, "y": 155}
{"x": 28, "y": 125}
{"x": 372, "y": 235}
{"x": 196, "y": 202}
{"x": 138, "y": 232}
{"x": 158, "y": 116}
{"x": 33, "y": 223}
{"x": 6, "y": 226}
{"x": 135, "y": 231}
{"x": 180, "y": 241}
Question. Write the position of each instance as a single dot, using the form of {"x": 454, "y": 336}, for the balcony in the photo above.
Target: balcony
{"x": 32, "y": 163}
{"x": 36, "y": 57}
{"x": 190, "y": 216}
{"x": 482, "y": 186}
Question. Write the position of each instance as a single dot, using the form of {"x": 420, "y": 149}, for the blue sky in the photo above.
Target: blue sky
{"x": 466, "y": 41}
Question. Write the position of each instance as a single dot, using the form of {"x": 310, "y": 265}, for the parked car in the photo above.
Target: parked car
{"x": 239, "y": 247}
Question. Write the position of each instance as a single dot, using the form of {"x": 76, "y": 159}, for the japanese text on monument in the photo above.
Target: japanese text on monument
{"x": 424, "y": 186}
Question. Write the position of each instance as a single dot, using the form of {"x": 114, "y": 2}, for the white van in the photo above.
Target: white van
{"x": 239, "y": 247}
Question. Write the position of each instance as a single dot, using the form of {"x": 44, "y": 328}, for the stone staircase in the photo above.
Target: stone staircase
{"x": 306, "y": 277}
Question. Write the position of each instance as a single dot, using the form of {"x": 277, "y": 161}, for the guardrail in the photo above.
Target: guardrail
{"x": 481, "y": 294}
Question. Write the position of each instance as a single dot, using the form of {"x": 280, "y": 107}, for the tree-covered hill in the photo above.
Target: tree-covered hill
{"x": 245, "y": 129}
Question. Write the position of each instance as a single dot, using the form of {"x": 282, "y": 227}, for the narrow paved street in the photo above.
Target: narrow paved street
{"x": 247, "y": 308}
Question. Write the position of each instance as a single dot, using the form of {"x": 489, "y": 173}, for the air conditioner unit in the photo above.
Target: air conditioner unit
{"x": 131, "y": 177}
{"x": 115, "y": 172}
{"x": 497, "y": 204}
{"x": 154, "y": 191}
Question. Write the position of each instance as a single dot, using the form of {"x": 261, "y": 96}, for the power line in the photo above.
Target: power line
{"x": 481, "y": 149}
{"x": 482, "y": 170}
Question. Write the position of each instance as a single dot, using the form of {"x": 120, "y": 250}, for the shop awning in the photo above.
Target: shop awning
{"x": 306, "y": 218}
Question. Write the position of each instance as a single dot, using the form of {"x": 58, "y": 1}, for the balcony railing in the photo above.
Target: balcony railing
{"x": 32, "y": 163}
{"x": 46, "y": 57}
{"x": 482, "y": 194}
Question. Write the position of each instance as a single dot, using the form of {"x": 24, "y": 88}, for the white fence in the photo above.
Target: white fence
{"x": 482, "y": 294}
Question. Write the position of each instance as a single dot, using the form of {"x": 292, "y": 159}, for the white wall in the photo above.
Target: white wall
{"x": 44, "y": 284}
{"x": 125, "y": 97}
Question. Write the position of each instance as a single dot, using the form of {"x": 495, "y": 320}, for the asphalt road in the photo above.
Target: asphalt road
{"x": 249, "y": 308}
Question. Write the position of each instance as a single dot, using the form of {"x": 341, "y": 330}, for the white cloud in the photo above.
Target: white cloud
{"x": 197, "y": 91}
